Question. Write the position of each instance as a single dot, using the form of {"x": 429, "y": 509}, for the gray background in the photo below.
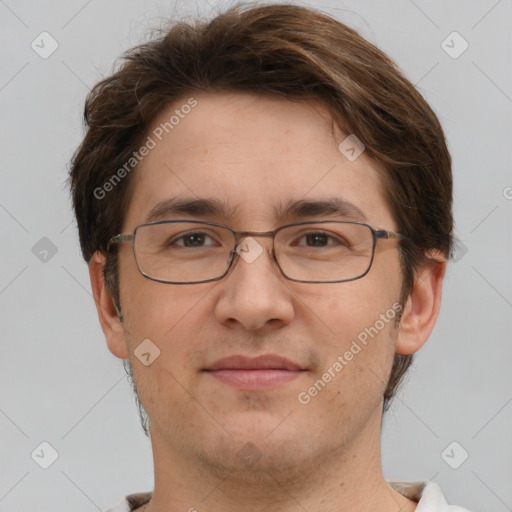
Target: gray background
{"x": 59, "y": 383}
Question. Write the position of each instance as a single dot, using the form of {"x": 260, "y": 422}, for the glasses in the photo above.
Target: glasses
{"x": 189, "y": 252}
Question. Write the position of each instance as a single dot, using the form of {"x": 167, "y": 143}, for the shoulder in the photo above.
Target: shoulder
{"x": 433, "y": 500}
{"x": 428, "y": 495}
{"x": 131, "y": 502}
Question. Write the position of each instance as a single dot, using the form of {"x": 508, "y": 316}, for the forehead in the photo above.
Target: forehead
{"x": 254, "y": 156}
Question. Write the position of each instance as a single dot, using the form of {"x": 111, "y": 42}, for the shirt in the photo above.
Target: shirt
{"x": 427, "y": 494}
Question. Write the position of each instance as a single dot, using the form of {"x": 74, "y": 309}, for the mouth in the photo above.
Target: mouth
{"x": 263, "y": 372}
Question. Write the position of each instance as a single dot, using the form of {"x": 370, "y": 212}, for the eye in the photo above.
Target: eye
{"x": 320, "y": 239}
{"x": 192, "y": 239}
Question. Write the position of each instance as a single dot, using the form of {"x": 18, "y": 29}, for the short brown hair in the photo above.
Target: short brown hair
{"x": 292, "y": 52}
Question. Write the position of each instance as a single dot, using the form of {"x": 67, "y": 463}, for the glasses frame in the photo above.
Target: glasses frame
{"x": 377, "y": 233}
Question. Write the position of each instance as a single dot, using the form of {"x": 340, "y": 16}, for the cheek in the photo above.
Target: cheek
{"x": 359, "y": 350}
{"x": 351, "y": 380}
{"x": 348, "y": 308}
{"x": 150, "y": 309}
{"x": 172, "y": 317}
{"x": 165, "y": 319}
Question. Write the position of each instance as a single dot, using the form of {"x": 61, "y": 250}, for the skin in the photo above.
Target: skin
{"x": 256, "y": 152}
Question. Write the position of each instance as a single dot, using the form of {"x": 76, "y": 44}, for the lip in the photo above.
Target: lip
{"x": 263, "y": 362}
{"x": 253, "y": 373}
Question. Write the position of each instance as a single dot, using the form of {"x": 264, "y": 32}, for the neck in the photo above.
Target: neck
{"x": 345, "y": 479}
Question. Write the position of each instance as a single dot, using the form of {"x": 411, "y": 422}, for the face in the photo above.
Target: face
{"x": 256, "y": 154}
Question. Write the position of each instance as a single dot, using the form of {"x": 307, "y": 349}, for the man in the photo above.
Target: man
{"x": 264, "y": 203}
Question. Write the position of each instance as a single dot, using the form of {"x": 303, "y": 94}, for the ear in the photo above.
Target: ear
{"x": 422, "y": 306}
{"x": 109, "y": 316}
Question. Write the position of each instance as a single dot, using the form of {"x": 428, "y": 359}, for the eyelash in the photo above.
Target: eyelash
{"x": 311, "y": 233}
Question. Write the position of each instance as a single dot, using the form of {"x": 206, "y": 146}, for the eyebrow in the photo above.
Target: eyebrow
{"x": 213, "y": 207}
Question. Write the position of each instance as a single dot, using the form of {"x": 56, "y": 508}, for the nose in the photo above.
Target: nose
{"x": 254, "y": 294}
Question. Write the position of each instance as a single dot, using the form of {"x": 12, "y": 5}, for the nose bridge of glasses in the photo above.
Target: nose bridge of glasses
{"x": 242, "y": 236}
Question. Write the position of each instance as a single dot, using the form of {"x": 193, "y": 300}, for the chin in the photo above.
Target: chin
{"x": 255, "y": 461}
{"x": 266, "y": 445}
